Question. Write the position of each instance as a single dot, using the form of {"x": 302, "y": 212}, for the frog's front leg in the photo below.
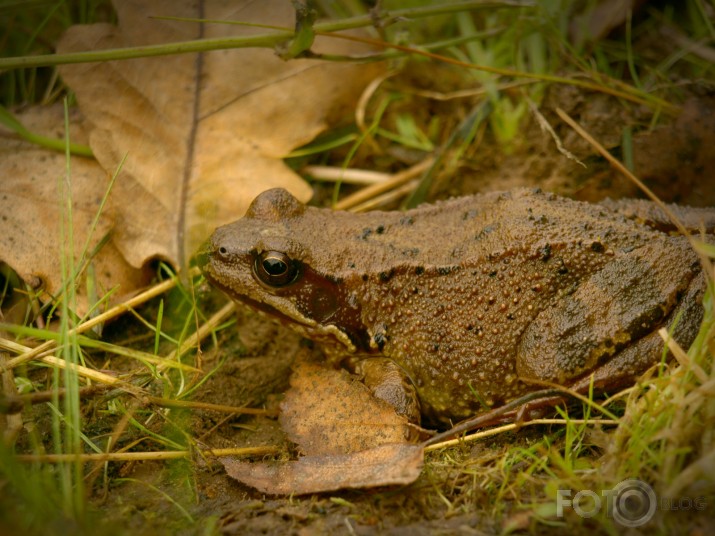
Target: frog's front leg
{"x": 388, "y": 382}
{"x": 611, "y": 312}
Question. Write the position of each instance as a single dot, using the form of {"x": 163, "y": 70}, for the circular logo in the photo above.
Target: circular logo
{"x": 635, "y": 503}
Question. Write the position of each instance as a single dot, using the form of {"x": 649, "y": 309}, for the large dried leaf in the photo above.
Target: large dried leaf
{"x": 327, "y": 411}
{"x": 387, "y": 465}
{"x": 351, "y": 438}
{"x": 31, "y": 205}
{"x": 203, "y": 135}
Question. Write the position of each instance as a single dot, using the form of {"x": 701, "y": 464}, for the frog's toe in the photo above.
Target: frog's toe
{"x": 388, "y": 382}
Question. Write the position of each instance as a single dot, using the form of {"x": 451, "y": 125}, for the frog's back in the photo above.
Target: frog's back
{"x": 468, "y": 229}
{"x": 485, "y": 267}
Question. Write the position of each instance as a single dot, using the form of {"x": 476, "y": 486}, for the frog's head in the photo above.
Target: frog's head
{"x": 266, "y": 260}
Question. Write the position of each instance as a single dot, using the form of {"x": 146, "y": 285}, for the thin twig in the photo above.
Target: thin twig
{"x": 12, "y": 404}
{"x": 514, "y": 426}
{"x": 265, "y": 40}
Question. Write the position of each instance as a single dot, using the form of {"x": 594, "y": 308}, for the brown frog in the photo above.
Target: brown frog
{"x": 461, "y": 303}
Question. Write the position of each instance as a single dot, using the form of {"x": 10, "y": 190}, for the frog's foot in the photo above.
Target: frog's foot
{"x": 389, "y": 382}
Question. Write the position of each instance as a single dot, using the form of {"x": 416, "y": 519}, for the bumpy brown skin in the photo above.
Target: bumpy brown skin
{"x": 476, "y": 294}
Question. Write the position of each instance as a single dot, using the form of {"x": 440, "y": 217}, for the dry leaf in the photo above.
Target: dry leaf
{"x": 327, "y": 411}
{"x": 386, "y": 465}
{"x": 352, "y": 439}
{"x": 31, "y": 208}
{"x": 203, "y": 135}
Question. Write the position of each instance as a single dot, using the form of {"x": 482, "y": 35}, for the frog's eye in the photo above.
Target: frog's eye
{"x": 275, "y": 268}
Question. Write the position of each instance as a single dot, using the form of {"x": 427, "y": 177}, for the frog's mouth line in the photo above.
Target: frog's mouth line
{"x": 260, "y": 306}
{"x": 272, "y": 311}
{"x": 308, "y": 327}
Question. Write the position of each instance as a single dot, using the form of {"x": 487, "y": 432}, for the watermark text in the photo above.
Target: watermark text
{"x": 630, "y": 503}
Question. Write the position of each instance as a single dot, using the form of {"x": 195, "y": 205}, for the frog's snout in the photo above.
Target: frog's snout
{"x": 214, "y": 252}
{"x": 203, "y": 257}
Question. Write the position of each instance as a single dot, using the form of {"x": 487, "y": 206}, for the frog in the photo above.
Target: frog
{"x": 461, "y": 305}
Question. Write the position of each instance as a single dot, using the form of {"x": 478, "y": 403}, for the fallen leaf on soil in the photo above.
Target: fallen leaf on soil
{"x": 203, "y": 135}
{"x": 351, "y": 438}
{"x": 327, "y": 411}
{"x": 31, "y": 208}
{"x": 386, "y": 465}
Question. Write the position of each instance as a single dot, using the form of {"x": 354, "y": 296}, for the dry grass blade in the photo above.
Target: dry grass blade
{"x": 110, "y": 348}
{"x": 349, "y": 176}
{"x": 90, "y": 374}
{"x": 704, "y": 466}
{"x": 466, "y": 93}
{"x": 145, "y": 456}
{"x": 700, "y": 49}
{"x": 388, "y": 197}
{"x": 546, "y": 127}
{"x": 681, "y": 356}
{"x": 493, "y": 415}
{"x": 705, "y": 261}
{"x": 115, "y": 311}
{"x": 361, "y": 107}
{"x": 397, "y": 180}
{"x": 193, "y": 340}
{"x": 626, "y": 91}
{"x": 61, "y": 363}
{"x": 516, "y": 426}
{"x": 169, "y": 403}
